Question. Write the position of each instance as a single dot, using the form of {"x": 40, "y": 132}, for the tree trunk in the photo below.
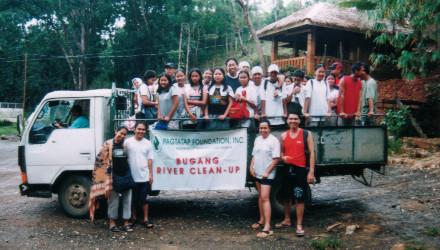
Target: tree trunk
{"x": 244, "y": 7}
{"x": 144, "y": 16}
{"x": 187, "y": 50}
{"x": 197, "y": 46}
{"x": 180, "y": 44}
{"x": 244, "y": 51}
{"x": 226, "y": 43}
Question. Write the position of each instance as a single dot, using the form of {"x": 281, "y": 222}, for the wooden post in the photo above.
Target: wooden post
{"x": 294, "y": 49}
{"x": 311, "y": 47}
{"x": 24, "y": 89}
{"x": 274, "y": 51}
{"x": 340, "y": 53}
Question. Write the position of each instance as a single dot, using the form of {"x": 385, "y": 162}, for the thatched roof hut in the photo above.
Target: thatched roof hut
{"x": 333, "y": 33}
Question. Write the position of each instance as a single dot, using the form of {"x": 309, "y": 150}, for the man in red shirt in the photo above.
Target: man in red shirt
{"x": 293, "y": 153}
{"x": 350, "y": 96}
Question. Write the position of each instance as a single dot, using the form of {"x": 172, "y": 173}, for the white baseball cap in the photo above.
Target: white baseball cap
{"x": 273, "y": 67}
{"x": 243, "y": 63}
{"x": 257, "y": 70}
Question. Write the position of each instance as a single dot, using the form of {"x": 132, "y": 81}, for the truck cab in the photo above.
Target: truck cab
{"x": 60, "y": 159}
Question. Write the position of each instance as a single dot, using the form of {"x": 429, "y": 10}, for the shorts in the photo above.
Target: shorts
{"x": 294, "y": 182}
{"x": 140, "y": 193}
{"x": 264, "y": 181}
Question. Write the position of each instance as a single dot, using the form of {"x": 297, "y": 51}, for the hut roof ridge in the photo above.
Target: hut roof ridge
{"x": 320, "y": 14}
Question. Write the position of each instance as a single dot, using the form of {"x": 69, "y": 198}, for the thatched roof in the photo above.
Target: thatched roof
{"x": 322, "y": 15}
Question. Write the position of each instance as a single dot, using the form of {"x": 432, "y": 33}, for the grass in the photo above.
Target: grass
{"x": 419, "y": 245}
{"x": 9, "y": 129}
{"x": 326, "y": 243}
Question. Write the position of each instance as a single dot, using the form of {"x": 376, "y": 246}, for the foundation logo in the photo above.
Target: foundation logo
{"x": 156, "y": 140}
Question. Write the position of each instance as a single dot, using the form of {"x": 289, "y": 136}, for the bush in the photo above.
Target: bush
{"x": 394, "y": 146}
{"x": 5, "y": 123}
{"x": 326, "y": 243}
{"x": 398, "y": 122}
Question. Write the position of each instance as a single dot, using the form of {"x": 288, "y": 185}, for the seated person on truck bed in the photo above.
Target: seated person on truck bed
{"x": 80, "y": 120}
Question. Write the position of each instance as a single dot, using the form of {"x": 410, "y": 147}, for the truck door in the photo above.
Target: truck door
{"x": 71, "y": 146}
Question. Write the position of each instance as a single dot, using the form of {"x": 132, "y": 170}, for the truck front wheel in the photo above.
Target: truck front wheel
{"x": 74, "y": 195}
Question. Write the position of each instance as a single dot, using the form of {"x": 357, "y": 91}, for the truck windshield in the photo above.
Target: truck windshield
{"x": 59, "y": 111}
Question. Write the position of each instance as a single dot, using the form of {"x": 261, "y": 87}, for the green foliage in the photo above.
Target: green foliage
{"x": 398, "y": 121}
{"x": 434, "y": 232}
{"x": 326, "y": 243}
{"x": 407, "y": 26}
{"x": 5, "y": 123}
{"x": 394, "y": 146}
{"x": 433, "y": 90}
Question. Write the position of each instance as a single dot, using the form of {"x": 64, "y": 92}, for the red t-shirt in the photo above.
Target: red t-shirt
{"x": 351, "y": 98}
{"x": 294, "y": 148}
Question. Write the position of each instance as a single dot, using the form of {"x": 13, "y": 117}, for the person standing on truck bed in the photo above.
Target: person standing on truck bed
{"x": 317, "y": 103}
{"x": 80, "y": 120}
{"x": 170, "y": 69}
{"x": 111, "y": 161}
{"x": 271, "y": 97}
{"x": 265, "y": 157}
{"x": 140, "y": 159}
{"x": 350, "y": 96}
{"x": 168, "y": 101}
{"x": 369, "y": 97}
{"x": 295, "y": 149}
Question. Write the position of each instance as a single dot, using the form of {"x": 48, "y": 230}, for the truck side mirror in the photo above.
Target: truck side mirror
{"x": 19, "y": 124}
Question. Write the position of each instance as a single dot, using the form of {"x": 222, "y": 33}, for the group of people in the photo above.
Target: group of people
{"x": 205, "y": 99}
{"x": 123, "y": 170}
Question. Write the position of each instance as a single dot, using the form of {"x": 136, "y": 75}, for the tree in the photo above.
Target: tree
{"x": 244, "y": 7}
{"x": 414, "y": 33}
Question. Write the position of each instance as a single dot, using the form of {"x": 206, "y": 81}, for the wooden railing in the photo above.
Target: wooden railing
{"x": 300, "y": 62}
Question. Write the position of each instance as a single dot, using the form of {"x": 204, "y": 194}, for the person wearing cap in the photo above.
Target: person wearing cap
{"x": 271, "y": 97}
{"x": 232, "y": 73}
{"x": 257, "y": 75}
{"x": 337, "y": 70}
{"x": 170, "y": 69}
{"x": 244, "y": 65}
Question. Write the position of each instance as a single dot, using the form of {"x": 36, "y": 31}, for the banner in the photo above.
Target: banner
{"x": 190, "y": 160}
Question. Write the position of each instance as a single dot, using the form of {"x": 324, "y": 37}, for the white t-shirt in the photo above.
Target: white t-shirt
{"x": 265, "y": 150}
{"x": 257, "y": 91}
{"x": 251, "y": 96}
{"x": 318, "y": 98}
{"x": 274, "y": 105}
{"x": 182, "y": 91}
{"x": 288, "y": 89}
{"x": 166, "y": 101}
{"x": 139, "y": 152}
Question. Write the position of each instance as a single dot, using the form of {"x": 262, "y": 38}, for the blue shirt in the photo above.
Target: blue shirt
{"x": 80, "y": 122}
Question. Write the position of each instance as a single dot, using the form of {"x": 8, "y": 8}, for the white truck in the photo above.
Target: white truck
{"x": 54, "y": 160}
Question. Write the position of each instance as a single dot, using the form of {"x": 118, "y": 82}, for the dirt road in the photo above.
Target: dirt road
{"x": 399, "y": 209}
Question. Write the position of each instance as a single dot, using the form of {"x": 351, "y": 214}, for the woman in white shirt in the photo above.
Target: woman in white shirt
{"x": 247, "y": 94}
{"x": 265, "y": 157}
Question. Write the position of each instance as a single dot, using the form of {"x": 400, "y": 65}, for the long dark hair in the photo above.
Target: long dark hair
{"x": 225, "y": 85}
{"x": 200, "y": 79}
{"x": 161, "y": 90}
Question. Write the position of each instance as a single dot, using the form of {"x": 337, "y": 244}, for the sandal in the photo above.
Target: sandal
{"x": 264, "y": 234}
{"x": 148, "y": 224}
{"x": 114, "y": 229}
{"x": 300, "y": 232}
{"x": 128, "y": 228}
{"x": 281, "y": 225}
{"x": 257, "y": 225}
{"x": 132, "y": 221}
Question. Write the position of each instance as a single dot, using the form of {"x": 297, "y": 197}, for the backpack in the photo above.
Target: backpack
{"x": 265, "y": 85}
{"x": 306, "y": 147}
{"x": 239, "y": 110}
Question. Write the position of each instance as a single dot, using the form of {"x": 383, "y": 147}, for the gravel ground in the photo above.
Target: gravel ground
{"x": 399, "y": 209}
